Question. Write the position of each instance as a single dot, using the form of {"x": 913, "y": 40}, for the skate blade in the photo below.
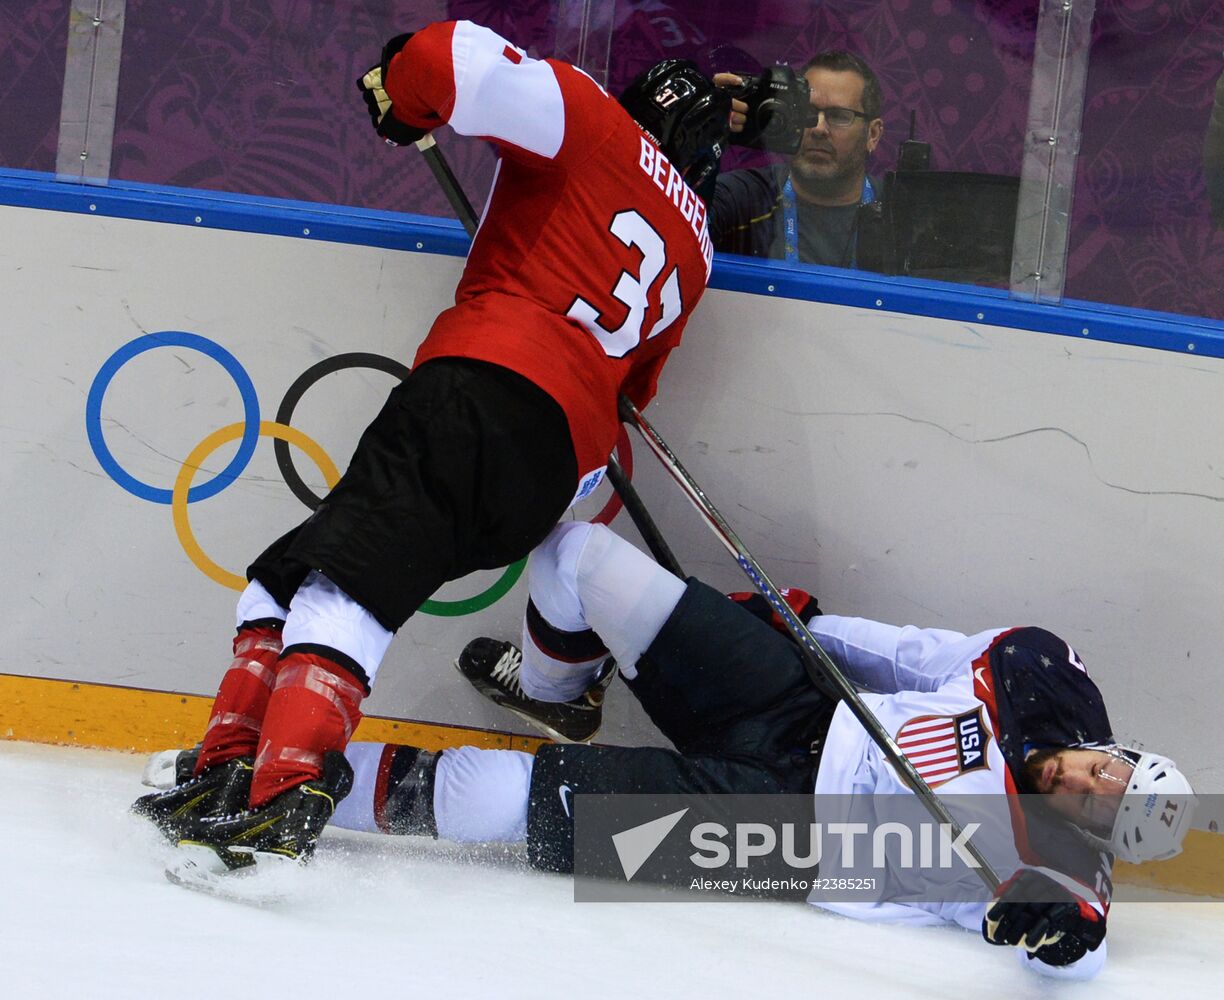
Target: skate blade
{"x": 266, "y": 882}
{"x": 555, "y": 735}
{"x": 537, "y": 724}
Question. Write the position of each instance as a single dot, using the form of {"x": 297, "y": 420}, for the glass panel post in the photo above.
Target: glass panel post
{"x": 1052, "y": 142}
{"x": 584, "y": 35}
{"x": 91, "y": 84}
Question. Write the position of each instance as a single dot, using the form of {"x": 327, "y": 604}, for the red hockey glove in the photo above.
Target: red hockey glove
{"x": 801, "y": 602}
{"x": 378, "y": 103}
{"x": 1048, "y": 921}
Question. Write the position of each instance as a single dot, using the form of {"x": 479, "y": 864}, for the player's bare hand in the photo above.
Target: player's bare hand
{"x": 739, "y": 110}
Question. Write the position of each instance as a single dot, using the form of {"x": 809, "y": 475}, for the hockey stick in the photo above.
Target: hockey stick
{"x": 616, "y": 476}
{"x": 821, "y": 669}
{"x": 642, "y": 520}
{"x": 449, "y": 183}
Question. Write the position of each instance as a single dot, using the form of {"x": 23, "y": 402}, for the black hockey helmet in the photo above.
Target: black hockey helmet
{"x": 686, "y": 115}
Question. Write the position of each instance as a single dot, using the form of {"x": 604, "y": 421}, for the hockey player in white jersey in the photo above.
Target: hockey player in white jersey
{"x": 731, "y": 694}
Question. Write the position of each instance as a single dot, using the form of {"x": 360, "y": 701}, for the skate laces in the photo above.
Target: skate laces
{"x": 506, "y": 671}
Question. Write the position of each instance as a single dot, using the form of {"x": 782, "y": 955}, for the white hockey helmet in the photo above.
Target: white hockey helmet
{"x": 1155, "y": 813}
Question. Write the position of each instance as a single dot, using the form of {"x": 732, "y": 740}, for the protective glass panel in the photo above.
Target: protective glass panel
{"x": 1052, "y": 142}
{"x": 33, "y": 39}
{"x": 584, "y": 35}
{"x": 943, "y": 161}
{"x": 260, "y": 98}
{"x": 1145, "y": 230}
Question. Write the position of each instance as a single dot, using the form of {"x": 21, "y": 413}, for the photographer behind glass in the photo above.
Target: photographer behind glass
{"x": 806, "y": 210}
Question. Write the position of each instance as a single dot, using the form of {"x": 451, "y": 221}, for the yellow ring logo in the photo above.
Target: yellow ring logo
{"x": 191, "y": 465}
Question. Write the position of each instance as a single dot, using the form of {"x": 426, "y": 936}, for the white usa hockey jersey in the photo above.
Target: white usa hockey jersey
{"x": 935, "y": 686}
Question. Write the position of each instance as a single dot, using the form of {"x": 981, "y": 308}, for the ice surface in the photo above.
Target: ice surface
{"x": 85, "y": 912}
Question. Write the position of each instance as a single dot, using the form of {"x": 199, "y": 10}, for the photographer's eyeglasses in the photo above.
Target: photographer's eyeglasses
{"x": 834, "y": 117}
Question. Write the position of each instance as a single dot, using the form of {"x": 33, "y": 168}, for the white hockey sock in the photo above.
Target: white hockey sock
{"x": 552, "y": 584}
{"x": 356, "y": 810}
{"x": 546, "y": 678}
{"x": 481, "y": 795}
{"x": 256, "y": 603}
{"x": 626, "y": 595}
{"x": 322, "y": 614}
{"x": 588, "y": 577}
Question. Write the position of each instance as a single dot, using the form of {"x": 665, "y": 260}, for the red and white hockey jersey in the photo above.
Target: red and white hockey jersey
{"x": 935, "y": 686}
{"x": 592, "y": 250}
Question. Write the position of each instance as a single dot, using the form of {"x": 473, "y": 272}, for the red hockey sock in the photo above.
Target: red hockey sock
{"x": 238, "y": 710}
{"x": 315, "y": 708}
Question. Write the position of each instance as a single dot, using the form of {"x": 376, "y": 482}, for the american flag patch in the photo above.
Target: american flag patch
{"x": 942, "y": 746}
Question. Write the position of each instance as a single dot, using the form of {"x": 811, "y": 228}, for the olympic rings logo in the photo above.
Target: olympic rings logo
{"x": 248, "y": 432}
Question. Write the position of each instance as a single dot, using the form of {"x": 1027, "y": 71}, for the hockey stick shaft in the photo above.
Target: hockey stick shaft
{"x": 642, "y": 520}
{"x": 449, "y": 183}
{"x": 823, "y": 671}
{"x": 616, "y": 475}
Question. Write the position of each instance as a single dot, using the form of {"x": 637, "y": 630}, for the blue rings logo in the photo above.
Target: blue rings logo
{"x": 192, "y": 341}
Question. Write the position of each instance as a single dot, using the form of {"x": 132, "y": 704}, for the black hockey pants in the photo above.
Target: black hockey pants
{"x": 467, "y": 466}
{"x": 732, "y": 695}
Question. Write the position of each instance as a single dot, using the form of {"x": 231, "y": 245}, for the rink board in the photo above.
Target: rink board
{"x": 44, "y": 710}
{"x": 905, "y": 467}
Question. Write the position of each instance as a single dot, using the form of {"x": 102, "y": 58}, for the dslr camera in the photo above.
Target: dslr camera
{"x": 778, "y": 102}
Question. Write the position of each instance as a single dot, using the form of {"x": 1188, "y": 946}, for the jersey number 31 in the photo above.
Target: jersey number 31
{"x": 634, "y": 290}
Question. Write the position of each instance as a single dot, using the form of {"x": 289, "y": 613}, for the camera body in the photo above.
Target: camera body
{"x": 777, "y": 115}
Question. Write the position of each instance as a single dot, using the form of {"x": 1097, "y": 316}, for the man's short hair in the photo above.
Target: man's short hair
{"x": 841, "y": 61}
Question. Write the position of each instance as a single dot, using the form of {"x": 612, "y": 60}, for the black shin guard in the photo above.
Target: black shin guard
{"x": 407, "y": 808}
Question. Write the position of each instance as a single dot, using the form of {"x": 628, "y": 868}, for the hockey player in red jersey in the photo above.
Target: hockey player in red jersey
{"x": 592, "y": 252}
{"x": 731, "y": 694}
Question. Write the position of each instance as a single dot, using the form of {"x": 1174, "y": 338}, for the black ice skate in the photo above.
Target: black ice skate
{"x": 493, "y": 665}
{"x": 285, "y": 829}
{"x": 219, "y": 791}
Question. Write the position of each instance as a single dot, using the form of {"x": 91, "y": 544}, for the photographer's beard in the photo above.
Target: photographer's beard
{"x": 825, "y": 174}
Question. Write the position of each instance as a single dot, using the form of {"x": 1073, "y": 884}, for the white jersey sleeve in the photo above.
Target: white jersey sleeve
{"x": 517, "y": 101}
{"x": 891, "y": 658}
{"x": 473, "y": 79}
